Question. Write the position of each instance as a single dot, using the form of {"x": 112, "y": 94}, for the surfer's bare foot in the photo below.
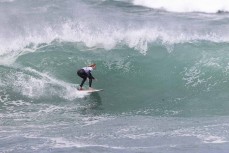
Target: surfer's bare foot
{"x": 80, "y": 88}
{"x": 90, "y": 88}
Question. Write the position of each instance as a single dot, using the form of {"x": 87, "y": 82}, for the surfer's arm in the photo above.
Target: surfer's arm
{"x": 90, "y": 76}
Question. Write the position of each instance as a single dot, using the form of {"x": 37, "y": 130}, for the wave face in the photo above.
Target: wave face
{"x": 157, "y": 68}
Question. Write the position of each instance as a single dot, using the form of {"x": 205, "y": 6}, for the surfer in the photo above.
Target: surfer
{"x": 85, "y": 73}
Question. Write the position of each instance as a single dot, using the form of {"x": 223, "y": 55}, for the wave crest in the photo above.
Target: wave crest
{"x": 206, "y": 6}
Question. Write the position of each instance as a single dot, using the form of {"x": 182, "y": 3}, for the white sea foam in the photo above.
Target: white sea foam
{"x": 60, "y": 142}
{"x": 63, "y": 143}
{"x": 6, "y": 1}
{"x": 97, "y": 119}
{"x": 43, "y": 85}
{"x": 12, "y": 48}
{"x": 136, "y": 38}
{"x": 17, "y": 103}
{"x": 3, "y": 97}
{"x": 207, "y": 6}
{"x": 213, "y": 139}
{"x": 197, "y": 75}
{"x": 18, "y": 37}
{"x": 202, "y": 134}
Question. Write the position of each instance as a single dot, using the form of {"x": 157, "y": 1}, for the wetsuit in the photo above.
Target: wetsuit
{"x": 85, "y": 73}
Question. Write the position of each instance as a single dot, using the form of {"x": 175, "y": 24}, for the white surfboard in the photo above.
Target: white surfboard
{"x": 91, "y": 91}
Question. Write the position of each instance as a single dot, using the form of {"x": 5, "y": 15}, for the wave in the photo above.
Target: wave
{"x": 169, "y": 82}
{"x": 205, "y": 6}
{"x": 34, "y": 84}
{"x": 96, "y": 27}
{"x": 109, "y": 38}
{"x": 38, "y": 61}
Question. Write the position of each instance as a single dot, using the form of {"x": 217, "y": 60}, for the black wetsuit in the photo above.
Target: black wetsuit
{"x": 84, "y": 75}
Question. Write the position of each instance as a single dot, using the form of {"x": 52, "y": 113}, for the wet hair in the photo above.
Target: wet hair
{"x": 92, "y": 65}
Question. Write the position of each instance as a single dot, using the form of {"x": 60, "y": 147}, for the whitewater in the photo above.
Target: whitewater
{"x": 163, "y": 65}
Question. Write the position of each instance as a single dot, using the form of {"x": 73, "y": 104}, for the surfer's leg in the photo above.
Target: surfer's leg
{"x": 81, "y": 73}
{"x": 90, "y": 77}
{"x": 84, "y": 79}
{"x": 90, "y": 82}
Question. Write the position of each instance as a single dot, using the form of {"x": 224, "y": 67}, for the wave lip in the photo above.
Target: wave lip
{"x": 205, "y": 6}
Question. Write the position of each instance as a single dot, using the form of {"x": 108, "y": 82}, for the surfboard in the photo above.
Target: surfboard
{"x": 91, "y": 91}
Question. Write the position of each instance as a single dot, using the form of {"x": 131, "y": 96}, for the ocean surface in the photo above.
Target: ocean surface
{"x": 163, "y": 65}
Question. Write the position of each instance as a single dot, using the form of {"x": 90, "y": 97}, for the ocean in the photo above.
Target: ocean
{"x": 163, "y": 65}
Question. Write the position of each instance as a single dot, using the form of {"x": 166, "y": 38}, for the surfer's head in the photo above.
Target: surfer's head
{"x": 93, "y": 66}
